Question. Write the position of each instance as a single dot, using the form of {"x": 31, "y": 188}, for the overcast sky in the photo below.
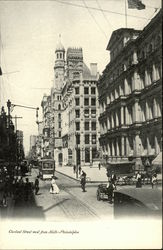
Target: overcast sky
{"x": 30, "y": 32}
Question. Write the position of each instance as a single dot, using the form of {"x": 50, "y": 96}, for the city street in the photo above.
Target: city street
{"x": 71, "y": 204}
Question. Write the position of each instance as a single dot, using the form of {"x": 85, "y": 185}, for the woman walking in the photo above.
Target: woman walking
{"x": 54, "y": 188}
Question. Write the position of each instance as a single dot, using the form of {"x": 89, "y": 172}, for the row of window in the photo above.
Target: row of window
{"x": 87, "y": 90}
{"x": 87, "y": 101}
{"x": 86, "y": 113}
{"x": 86, "y": 126}
{"x": 87, "y": 139}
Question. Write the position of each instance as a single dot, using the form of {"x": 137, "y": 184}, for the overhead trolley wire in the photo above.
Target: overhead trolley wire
{"x": 98, "y": 9}
{"x": 95, "y": 19}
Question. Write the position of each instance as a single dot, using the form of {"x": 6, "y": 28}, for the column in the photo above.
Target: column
{"x": 122, "y": 115}
{"x": 147, "y": 110}
{"x": 136, "y": 112}
{"x": 122, "y": 145}
{"x": 146, "y": 78}
{"x": 112, "y": 121}
{"x": 117, "y": 146}
{"x": 136, "y": 145}
{"x": 127, "y": 116}
{"x": 156, "y": 145}
{"x": 154, "y": 108}
{"x": 113, "y": 151}
{"x": 135, "y": 58}
{"x": 153, "y": 73}
{"x": 126, "y": 86}
{"x": 116, "y": 117}
{"x": 148, "y": 146}
{"x": 158, "y": 109}
{"x": 108, "y": 123}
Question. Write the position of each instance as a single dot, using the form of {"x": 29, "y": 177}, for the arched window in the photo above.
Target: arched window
{"x": 60, "y": 55}
{"x": 59, "y": 116}
{"x": 59, "y": 106}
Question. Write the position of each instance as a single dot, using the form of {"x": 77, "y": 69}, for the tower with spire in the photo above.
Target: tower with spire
{"x": 59, "y": 67}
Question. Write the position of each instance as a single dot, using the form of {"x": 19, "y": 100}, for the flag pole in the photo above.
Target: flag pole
{"x": 125, "y": 13}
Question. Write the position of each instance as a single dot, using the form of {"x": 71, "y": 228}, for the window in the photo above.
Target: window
{"x": 93, "y": 90}
{"x": 59, "y": 106}
{"x": 59, "y": 124}
{"x": 93, "y": 126}
{"x": 93, "y": 101}
{"x": 87, "y": 155}
{"x": 86, "y": 125}
{"x": 94, "y": 153}
{"x": 77, "y": 126}
{"x": 77, "y": 112}
{"x": 94, "y": 139}
{"x": 93, "y": 113}
{"x": 86, "y": 112}
{"x": 77, "y": 101}
{"x": 57, "y": 97}
{"x": 77, "y": 90}
{"x": 77, "y": 139}
{"x": 59, "y": 116}
{"x": 59, "y": 133}
{"x": 86, "y": 139}
{"x": 86, "y": 90}
{"x": 86, "y": 101}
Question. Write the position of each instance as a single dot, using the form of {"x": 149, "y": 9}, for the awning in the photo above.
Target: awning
{"x": 158, "y": 160}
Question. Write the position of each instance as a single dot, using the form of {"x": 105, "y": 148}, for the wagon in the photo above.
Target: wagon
{"x": 102, "y": 192}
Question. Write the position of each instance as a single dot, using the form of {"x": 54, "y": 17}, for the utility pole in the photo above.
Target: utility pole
{"x": 16, "y": 117}
{"x": 9, "y": 147}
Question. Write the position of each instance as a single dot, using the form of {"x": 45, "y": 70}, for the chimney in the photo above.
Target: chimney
{"x": 93, "y": 67}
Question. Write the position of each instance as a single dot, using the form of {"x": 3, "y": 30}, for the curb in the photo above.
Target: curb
{"x": 78, "y": 179}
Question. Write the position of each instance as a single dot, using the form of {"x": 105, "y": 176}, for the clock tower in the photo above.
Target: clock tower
{"x": 59, "y": 67}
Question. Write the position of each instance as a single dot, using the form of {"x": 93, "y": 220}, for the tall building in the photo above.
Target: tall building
{"x": 73, "y": 127}
{"x": 130, "y": 97}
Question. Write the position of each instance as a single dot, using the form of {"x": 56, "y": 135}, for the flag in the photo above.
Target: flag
{"x": 136, "y": 4}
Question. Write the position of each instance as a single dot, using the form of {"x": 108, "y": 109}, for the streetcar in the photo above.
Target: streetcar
{"x": 46, "y": 168}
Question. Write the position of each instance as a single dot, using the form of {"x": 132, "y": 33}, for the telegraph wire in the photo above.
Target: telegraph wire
{"x": 95, "y": 8}
{"x": 95, "y": 20}
{"x": 104, "y": 14}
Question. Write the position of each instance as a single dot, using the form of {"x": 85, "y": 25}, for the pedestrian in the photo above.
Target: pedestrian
{"x": 83, "y": 181}
{"x": 74, "y": 168}
{"x": 113, "y": 179}
{"x": 110, "y": 188}
{"x": 138, "y": 183}
{"x": 138, "y": 175}
{"x": 54, "y": 188}
{"x": 36, "y": 185}
{"x": 154, "y": 180}
{"x": 99, "y": 166}
{"x": 79, "y": 169}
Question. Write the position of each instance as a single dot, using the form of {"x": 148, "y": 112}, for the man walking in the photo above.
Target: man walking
{"x": 83, "y": 181}
{"x": 36, "y": 185}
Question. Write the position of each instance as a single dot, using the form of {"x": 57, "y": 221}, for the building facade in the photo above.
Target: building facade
{"x": 73, "y": 126}
{"x": 130, "y": 97}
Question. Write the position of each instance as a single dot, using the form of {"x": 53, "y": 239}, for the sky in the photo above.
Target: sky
{"x": 29, "y": 33}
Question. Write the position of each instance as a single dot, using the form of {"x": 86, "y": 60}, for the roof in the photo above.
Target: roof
{"x": 87, "y": 73}
{"x": 60, "y": 47}
{"x": 116, "y": 34}
{"x": 151, "y": 198}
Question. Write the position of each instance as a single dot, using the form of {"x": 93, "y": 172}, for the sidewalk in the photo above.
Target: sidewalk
{"x": 93, "y": 173}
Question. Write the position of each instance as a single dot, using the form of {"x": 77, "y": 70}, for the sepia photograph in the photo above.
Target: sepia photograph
{"x": 80, "y": 124}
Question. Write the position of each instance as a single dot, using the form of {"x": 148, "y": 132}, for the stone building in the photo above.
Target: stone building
{"x": 73, "y": 126}
{"x": 80, "y": 101}
{"x": 130, "y": 97}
